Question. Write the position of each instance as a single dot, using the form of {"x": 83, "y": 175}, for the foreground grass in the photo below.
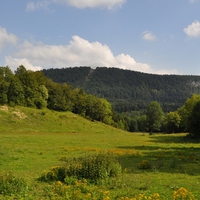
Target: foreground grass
{"x": 35, "y": 140}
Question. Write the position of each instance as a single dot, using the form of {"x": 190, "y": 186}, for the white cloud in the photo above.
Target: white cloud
{"x": 193, "y": 30}
{"x": 79, "y": 52}
{"x": 6, "y": 37}
{"x": 148, "y": 36}
{"x": 193, "y": 1}
{"x": 127, "y": 62}
{"x": 13, "y": 63}
{"x": 43, "y": 4}
{"x": 93, "y": 3}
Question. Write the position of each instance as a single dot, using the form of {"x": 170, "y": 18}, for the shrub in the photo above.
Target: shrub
{"x": 99, "y": 167}
{"x": 57, "y": 173}
{"x": 94, "y": 168}
{"x": 9, "y": 185}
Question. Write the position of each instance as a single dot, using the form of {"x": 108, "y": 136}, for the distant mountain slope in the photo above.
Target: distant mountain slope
{"x": 129, "y": 90}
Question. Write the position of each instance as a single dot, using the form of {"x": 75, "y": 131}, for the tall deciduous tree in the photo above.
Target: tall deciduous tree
{"x": 154, "y": 116}
{"x": 4, "y": 85}
{"x": 186, "y": 110}
{"x": 172, "y": 122}
{"x": 15, "y": 93}
{"x": 194, "y": 121}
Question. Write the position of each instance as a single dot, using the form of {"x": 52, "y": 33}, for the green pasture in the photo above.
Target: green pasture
{"x": 36, "y": 140}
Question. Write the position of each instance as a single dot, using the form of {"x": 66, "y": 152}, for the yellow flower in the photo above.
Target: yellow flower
{"x": 106, "y": 198}
{"x": 182, "y": 193}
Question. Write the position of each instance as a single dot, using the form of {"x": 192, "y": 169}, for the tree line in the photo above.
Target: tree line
{"x": 184, "y": 119}
{"x": 33, "y": 89}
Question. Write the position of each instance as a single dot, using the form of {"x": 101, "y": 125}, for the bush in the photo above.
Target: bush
{"x": 94, "y": 168}
{"x": 9, "y": 185}
{"x": 99, "y": 167}
{"x": 57, "y": 173}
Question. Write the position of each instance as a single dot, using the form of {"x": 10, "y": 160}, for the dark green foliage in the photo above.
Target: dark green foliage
{"x": 172, "y": 122}
{"x": 185, "y": 111}
{"x": 33, "y": 89}
{"x": 57, "y": 173}
{"x": 194, "y": 121}
{"x": 59, "y": 96}
{"x": 154, "y": 116}
{"x": 129, "y": 90}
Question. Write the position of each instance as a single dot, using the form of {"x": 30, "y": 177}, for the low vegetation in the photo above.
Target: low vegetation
{"x": 47, "y": 154}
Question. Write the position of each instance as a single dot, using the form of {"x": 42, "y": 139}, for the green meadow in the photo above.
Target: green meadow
{"x": 34, "y": 141}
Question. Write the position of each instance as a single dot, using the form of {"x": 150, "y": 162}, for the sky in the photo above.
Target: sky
{"x": 150, "y": 36}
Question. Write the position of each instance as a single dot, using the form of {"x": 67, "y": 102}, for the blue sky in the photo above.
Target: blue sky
{"x": 152, "y": 36}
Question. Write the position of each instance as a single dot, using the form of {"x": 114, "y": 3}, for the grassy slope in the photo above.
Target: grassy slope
{"x": 35, "y": 140}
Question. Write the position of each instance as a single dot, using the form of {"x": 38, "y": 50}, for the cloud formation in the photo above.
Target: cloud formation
{"x": 193, "y": 30}
{"x": 147, "y": 35}
{"x": 79, "y": 52}
{"x": 7, "y": 38}
{"x": 81, "y": 4}
{"x": 42, "y": 4}
{"x": 13, "y": 62}
{"x": 193, "y": 1}
{"x": 92, "y": 4}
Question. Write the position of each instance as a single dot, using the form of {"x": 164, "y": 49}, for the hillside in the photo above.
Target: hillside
{"x": 129, "y": 90}
{"x": 30, "y": 120}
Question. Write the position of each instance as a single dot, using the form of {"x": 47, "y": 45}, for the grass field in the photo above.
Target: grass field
{"x": 36, "y": 140}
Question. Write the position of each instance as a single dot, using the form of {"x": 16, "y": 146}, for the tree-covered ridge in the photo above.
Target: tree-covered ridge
{"x": 129, "y": 90}
{"x": 33, "y": 89}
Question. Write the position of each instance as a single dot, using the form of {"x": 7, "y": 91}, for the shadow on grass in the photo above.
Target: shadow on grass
{"x": 177, "y": 158}
{"x": 174, "y": 138}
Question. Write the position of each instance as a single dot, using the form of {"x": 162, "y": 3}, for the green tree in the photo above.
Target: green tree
{"x": 142, "y": 123}
{"x": 186, "y": 110}
{"x": 42, "y": 96}
{"x": 4, "y": 85}
{"x": 59, "y": 96}
{"x": 34, "y": 87}
{"x": 15, "y": 93}
{"x": 172, "y": 122}
{"x": 154, "y": 116}
{"x": 194, "y": 121}
{"x": 79, "y": 101}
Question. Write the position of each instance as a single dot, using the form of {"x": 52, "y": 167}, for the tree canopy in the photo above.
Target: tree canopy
{"x": 154, "y": 116}
{"x": 33, "y": 89}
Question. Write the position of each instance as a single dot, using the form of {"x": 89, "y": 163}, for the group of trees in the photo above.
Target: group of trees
{"x": 33, "y": 89}
{"x": 184, "y": 119}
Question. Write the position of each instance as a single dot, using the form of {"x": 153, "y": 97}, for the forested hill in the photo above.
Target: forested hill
{"x": 129, "y": 90}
